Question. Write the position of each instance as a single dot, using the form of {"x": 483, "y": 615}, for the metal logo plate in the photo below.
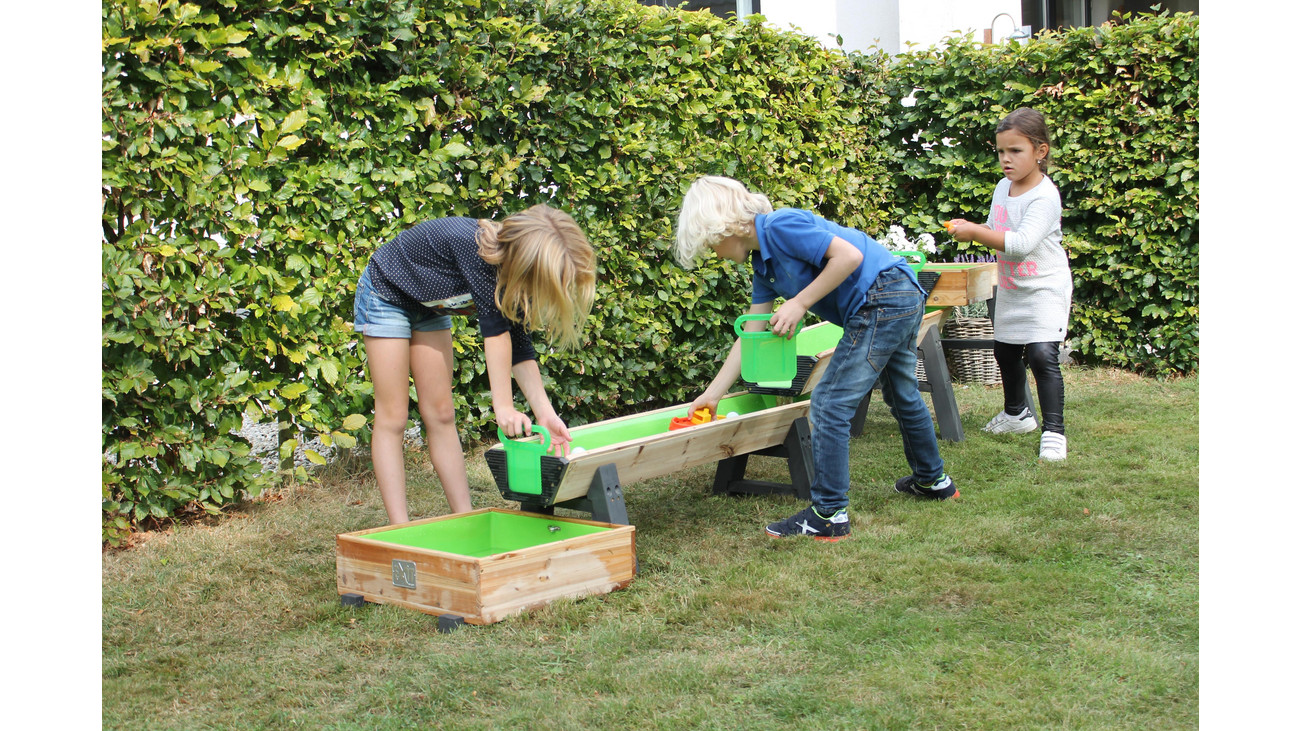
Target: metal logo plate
{"x": 403, "y": 573}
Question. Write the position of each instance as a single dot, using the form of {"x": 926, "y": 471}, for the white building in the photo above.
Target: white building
{"x": 892, "y": 25}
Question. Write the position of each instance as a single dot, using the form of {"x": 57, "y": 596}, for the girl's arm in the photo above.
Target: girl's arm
{"x": 498, "y": 353}
{"x": 842, "y": 258}
{"x": 529, "y": 377}
{"x": 964, "y": 230}
{"x": 1041, "y": 216}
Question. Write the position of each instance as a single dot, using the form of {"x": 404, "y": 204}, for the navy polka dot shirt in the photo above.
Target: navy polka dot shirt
{"x": 436, "y": 265}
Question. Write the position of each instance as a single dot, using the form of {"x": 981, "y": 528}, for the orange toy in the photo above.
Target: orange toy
{"x": 949, "y": 226}
{"x": 701, "y": 416}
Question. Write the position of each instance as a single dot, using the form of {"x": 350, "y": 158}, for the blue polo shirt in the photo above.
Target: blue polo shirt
{"x": 792, "y": 246}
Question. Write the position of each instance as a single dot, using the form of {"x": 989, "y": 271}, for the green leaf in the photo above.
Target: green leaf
{"x": 292, "y": 121}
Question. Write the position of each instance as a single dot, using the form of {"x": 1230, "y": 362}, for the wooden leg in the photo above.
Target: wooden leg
{"x": 945, "y": 402}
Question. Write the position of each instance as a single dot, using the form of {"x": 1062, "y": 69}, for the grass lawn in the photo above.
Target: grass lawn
{"x": 1048, "y": 596}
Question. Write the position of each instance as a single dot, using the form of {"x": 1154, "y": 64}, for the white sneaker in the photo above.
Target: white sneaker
{"x": 1005, "y": 423}
{"x": 1051, "y": 448}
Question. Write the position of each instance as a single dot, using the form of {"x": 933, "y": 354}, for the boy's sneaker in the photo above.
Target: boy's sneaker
{"x": 1051, "y": 448}
{"x": 807, "y": 522}
{"x": 942, "y": 489}
{"x": 1005, "y": 423}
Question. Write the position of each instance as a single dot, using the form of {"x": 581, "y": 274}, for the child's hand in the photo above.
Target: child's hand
{"x": 961, "y": 229}
{"x": 559, "y": 435}
{"x": 704, "y": 401}
{"x": 515, "y": 423}
{"x": 785, "y": 321}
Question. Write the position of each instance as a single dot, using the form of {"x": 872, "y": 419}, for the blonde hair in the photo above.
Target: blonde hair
{"x": 714, "y": 207}
{"x": 546, "y": 271}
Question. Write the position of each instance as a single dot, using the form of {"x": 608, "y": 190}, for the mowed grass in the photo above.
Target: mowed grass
{"x": 1048, "y": 596}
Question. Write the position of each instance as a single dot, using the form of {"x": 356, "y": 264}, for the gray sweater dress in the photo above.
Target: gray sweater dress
{"x": 1034, "y": 283}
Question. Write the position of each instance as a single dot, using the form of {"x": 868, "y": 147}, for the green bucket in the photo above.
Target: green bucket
{"x": 767, "y": 360}
{"x": 524, "y": 461}
{"x": 916, "y": 265}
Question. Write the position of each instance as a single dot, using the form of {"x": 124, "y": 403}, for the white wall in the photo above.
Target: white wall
{"x": 891, "y": 24}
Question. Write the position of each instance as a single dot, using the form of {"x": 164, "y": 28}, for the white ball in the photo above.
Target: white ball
{"x": 732, "y": 414}
{"x": 577, "y": 451}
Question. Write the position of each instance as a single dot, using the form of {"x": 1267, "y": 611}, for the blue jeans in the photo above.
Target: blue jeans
{"x": 878, "y": 343}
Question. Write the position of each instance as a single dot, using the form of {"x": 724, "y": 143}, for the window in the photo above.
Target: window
{"x": 720, "y": 8}
{"x": 1061, "y": 14}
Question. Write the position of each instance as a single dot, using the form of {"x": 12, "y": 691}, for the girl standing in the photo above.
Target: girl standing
{"x": 1034, "y": 283}
{"x": 533, "y": 271}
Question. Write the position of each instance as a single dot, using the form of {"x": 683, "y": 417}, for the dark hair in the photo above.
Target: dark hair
{"x": 1031, "y": 124}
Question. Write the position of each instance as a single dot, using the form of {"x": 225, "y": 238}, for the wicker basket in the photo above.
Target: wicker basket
{"x": 971, "y": 366}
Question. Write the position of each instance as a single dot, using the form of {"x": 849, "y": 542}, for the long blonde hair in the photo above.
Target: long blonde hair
{"x": 546, "y": 271}
{"x": 714, "y": 207}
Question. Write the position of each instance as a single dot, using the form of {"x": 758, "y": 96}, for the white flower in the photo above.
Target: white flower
{"x": 896, "y": 240}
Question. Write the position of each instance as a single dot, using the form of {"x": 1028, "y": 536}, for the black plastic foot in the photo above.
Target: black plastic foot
{"x": 448, "y": 623}
{"x": 352, "y": 600}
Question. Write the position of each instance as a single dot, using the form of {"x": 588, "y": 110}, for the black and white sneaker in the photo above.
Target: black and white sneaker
{"x": 1005, "y": 423}
{"x": 942, "y": 489}
{"x": 807, "y": 522}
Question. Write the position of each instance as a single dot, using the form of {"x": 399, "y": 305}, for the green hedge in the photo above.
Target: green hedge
{"x": 1123, "y": 107}
{"x": 256, "y": 152}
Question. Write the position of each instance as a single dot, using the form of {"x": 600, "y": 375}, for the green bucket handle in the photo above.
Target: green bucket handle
{"x": 524, "y": 461}
{"x": 918, "y": 254}
{"x": 746, "y": 318}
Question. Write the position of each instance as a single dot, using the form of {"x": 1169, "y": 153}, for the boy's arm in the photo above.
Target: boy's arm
{"x": 842, "y": 258}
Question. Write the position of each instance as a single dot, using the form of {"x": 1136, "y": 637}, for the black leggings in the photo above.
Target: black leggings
{"x": 1044, "y": 361}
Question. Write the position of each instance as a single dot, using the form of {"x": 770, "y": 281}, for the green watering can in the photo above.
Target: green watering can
{"x": 766, "y": 359}
{"x": 524, "y": 461}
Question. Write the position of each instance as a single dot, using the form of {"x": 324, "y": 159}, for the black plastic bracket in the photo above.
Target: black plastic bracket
{"x": 352, "y": 600}
{"x": 938, "y": 381}
{"x": 604, "y": 498}
{"x": 448, "y": 623}
{"x": 797, "y": 451}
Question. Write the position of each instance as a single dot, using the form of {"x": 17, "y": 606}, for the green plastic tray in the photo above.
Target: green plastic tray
{"x": 484, "y": 534}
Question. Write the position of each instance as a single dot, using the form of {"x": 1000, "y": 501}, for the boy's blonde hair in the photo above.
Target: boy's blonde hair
{"x": 546, "y": 271}
{"x": 714, "y": 207}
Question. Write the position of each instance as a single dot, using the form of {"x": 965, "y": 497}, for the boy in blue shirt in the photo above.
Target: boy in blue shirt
{"x": 845, "y": 277}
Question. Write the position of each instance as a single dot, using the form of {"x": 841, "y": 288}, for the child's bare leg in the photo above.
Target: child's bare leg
{"x": 431, "y": 365}
{"x": 389, "y": 363}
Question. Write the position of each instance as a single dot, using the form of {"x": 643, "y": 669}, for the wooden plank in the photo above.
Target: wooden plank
{"x": 595, "y": 564}
{"x": 962, "y": 284}
{"x": 668, "y": 452}
{"x": 441, "y": 586}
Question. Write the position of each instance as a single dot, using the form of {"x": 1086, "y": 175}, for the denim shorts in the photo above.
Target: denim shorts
{"x": 379, "y": 318}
